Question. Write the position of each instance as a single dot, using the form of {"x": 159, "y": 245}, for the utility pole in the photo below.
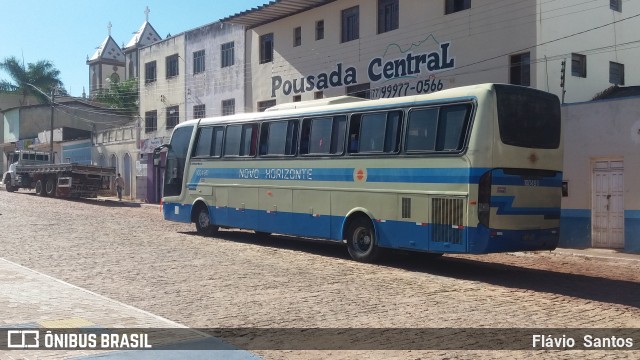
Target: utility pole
{"x": 53, "y": 94}
{"x": 563, "y": 65}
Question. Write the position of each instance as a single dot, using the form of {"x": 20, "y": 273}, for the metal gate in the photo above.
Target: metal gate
{"x": 607, "y": 222}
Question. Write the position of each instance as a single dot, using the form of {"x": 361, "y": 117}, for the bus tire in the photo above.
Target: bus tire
{"x": 203, "y": 221}
{"x": 51, "y": 186}
{"x": 361, "y": 240}
{"x": 40, "y": 188}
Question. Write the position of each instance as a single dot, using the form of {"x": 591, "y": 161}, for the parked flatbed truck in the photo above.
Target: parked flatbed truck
{"x": 32, "y": 170}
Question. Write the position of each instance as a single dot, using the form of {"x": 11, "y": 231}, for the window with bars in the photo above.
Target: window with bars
{"x": 172, "y": 66}
{"x": 199, "y": 111}
{"x": 453, "y": 6}
{"x": 150, "y": 121}
{"x": 227, "y": 54}
{"x": 264, "y": 105}
{"x": 150, "y": 72}
{"x": 615, "y": 5}
{"x": 579, "y": 65}
{"x": 360, "y": 90}
{"x": 616, "y": 73}
{"x": 520, "y": 69}
{"x": 266, "y": 48}
{"x": 173, "y": 116}
{"x": 297, "y": 36}
{"x": 351, "y": 24}
{"x": 228, "y": 107}
{"x": 319, "y": 29}
{"x": 198, "y": 62}
{"x": 388, "y": 15}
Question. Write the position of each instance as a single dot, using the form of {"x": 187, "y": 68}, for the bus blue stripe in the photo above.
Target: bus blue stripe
{"x": 391, "y": 233}
{"x": 376, "y": 175}
{"x": 422, "y": 175}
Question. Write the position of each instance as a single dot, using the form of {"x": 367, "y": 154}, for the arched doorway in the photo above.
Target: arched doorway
{"x": 126, "y": 169}
{"x": 114, "y": 162}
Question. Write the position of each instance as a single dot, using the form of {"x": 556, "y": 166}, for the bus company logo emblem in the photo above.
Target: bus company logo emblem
{"x": 23, "y": 339}
{"x": 533, "y": 158}
{"x": 360, "y": 175}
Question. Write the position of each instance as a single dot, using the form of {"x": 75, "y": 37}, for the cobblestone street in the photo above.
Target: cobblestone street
{"x": 126, "y": 252}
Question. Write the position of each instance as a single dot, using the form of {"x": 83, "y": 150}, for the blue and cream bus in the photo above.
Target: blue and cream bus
{"x": 475, "y": 169}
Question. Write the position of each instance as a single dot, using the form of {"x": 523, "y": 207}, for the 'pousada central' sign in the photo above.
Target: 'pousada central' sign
{"x": 379, "y": 69}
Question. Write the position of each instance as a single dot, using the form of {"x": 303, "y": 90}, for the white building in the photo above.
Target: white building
{"x": 215, "y": 81}
{"x": 601, "y": 207}
{"x": 301, "y": 50}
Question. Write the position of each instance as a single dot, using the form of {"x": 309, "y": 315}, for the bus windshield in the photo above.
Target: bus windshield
{"x": 176, "y": 160}
{"x": 528, "y": 118}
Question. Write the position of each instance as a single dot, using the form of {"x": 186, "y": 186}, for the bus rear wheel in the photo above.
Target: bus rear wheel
{"x": 361, "y": 240}
{"x": 40, "y": 188}
{"x": 203, "y": 222}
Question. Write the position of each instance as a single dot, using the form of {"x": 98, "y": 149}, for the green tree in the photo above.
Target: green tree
{"x": 41, "y": 74}
{"x": 121, "y": 96}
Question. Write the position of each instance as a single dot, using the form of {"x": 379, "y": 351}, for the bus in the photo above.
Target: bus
{"x": 474, "y": 169}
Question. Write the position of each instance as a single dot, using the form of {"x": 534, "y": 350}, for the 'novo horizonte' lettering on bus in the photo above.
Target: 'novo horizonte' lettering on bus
{"x": 276, "y": 174}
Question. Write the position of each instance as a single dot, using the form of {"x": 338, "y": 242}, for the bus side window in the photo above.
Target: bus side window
{"x": 249, "y": 140}
{"x": 320, "y": 138}
{"x": 338, "y": 134}
{"x": 232, "y": 140}
{"x": 218, "y": 136}
{"x": 393, "y": 132}
{"x": 452, "y": 127}
{"x": 264, "y": 136}
{"x": 204, "y": 142}
{"x": 380, "y": 132}
{"x": 279, "y": 138}
{"x": 354, "y": 133}
{"x": 304, "y": 136}
{"x": 421, "y": 130}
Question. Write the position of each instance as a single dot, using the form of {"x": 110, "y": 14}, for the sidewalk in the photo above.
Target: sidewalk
{"x": 599, "y": 254}
{"x": 32, "y": 300}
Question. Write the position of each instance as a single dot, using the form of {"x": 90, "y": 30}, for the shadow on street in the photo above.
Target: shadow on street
{"x": 510, "y": 276}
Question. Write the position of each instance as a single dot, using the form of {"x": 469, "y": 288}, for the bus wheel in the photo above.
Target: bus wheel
{"x": 40, "y": 188}
{"x": 361, "y": 240}
{"x": 51, "y": 187}
{"x": 203, "y": 222}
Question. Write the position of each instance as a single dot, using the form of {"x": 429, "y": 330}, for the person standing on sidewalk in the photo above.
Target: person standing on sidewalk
{"x": 119, "y": 185}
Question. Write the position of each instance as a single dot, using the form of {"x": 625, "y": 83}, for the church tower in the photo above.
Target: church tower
{"x": 106, "y": 65}
{"x": 146, "y": 35}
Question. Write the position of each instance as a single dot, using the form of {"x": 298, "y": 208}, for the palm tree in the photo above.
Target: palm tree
{"x": 42, "y": 75}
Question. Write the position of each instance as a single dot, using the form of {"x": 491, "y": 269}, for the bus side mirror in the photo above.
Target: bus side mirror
{"x": 156, "y": 153}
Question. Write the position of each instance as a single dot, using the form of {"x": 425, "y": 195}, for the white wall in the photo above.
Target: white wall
{"x": 485, "y": 30}
{"x": 215, "y": 84}
{"x": 163, "y": 92}
{"x": 600, "y": 42}
{"x": 482, "y": 39}
{"x": 601, "y": 129}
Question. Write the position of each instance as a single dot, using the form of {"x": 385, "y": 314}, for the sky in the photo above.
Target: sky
{"x": 65, "y": 32}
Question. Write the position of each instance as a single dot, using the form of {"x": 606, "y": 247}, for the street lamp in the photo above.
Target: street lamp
{"x": 51, "y": 98}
